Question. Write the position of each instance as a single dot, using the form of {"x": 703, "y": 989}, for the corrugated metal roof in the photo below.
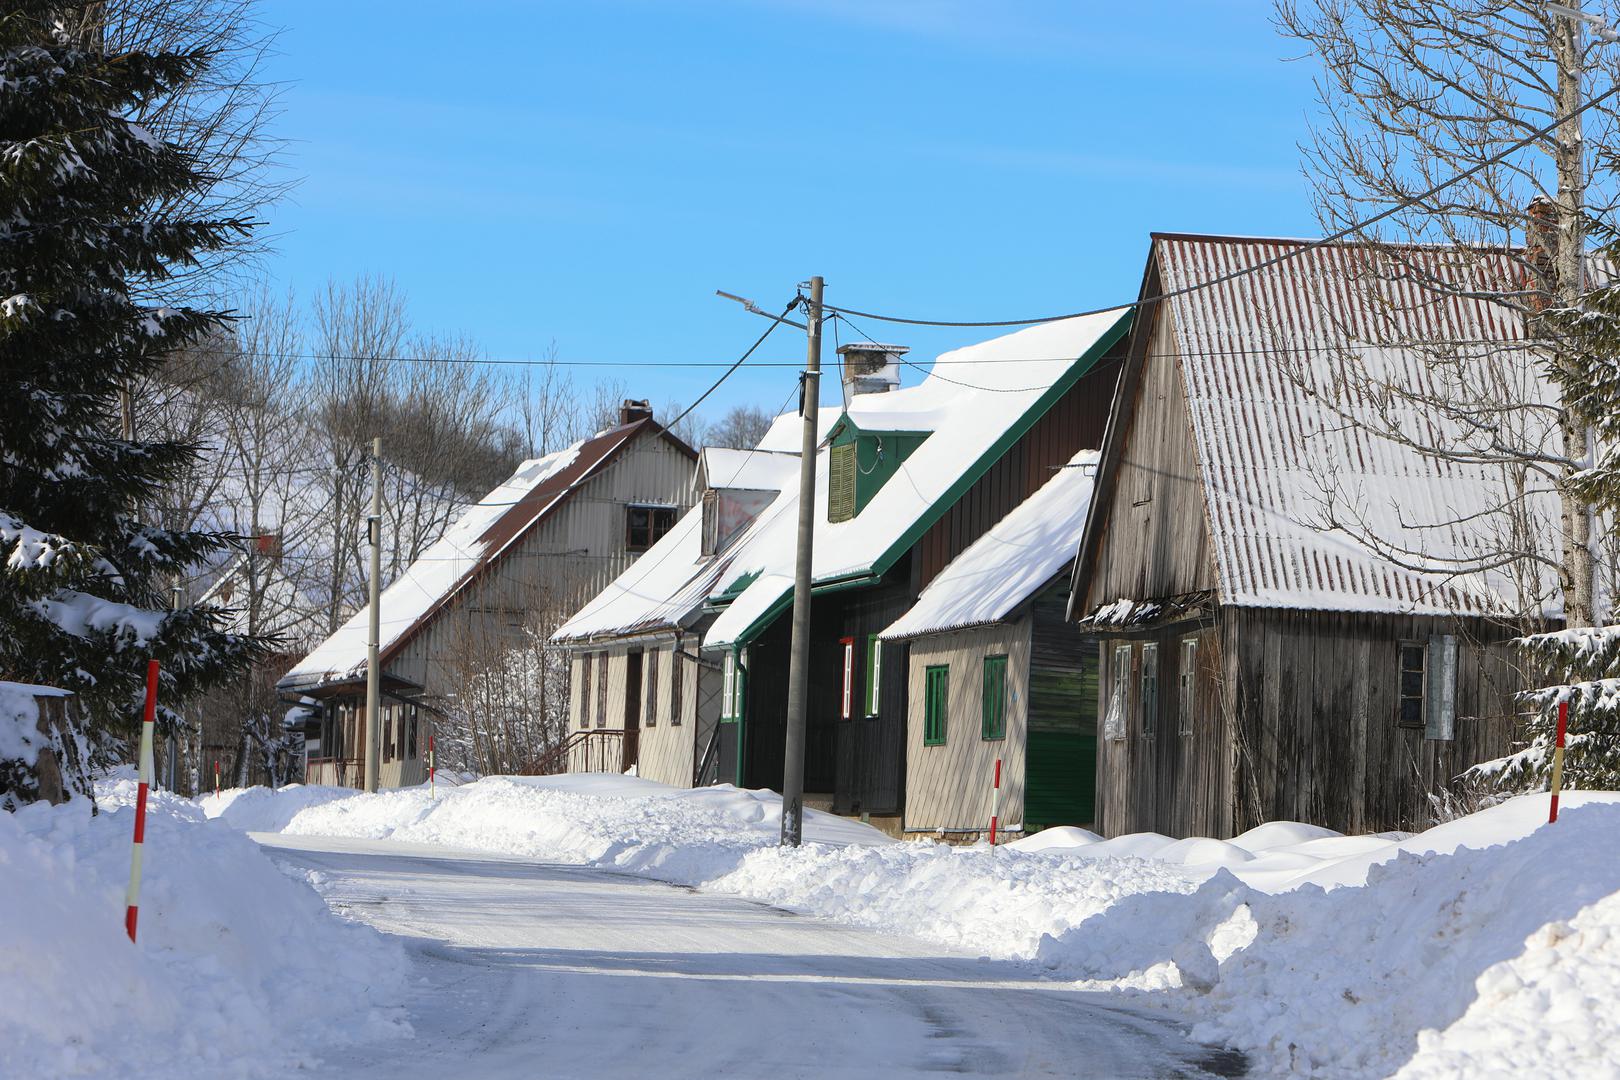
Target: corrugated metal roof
{"x": 1286, "y": 444}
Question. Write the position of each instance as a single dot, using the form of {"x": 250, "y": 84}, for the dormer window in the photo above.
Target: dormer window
{"x": 841, "y": 483}
{"x": 860, "y": 462}
{"x": 644, "y": 526}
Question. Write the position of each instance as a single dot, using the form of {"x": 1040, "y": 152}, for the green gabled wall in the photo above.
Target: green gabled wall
{"x": 878, "y": 456}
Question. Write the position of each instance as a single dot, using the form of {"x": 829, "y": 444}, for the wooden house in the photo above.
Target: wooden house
{"x": 907, "y": 479}
{"x": 1260, "y": 660}
{"x": 641, "y": 693}
{"x": 1001, "y": 686}
{"x": 531, "y": 551}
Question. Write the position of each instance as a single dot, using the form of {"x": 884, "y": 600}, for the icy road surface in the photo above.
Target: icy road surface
{"x": 535, "y": 970}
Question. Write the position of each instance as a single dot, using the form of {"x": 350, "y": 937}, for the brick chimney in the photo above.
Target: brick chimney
{"x": 1541, "y": 248}
{"x": 870, "y": 367}
{"x": 633, "y": 410}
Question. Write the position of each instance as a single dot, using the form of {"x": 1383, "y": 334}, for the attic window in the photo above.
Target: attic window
{"x": 645, "y": 525}
{"x": 841, "y": 483}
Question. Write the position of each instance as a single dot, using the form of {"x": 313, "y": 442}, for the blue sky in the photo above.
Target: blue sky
{"x": 589, "y": 173}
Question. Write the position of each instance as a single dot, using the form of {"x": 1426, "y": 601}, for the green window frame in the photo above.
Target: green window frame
{"x": 874, "y": 673}
{"x": 936, "y": 703}
{"x": 993, "y": 708}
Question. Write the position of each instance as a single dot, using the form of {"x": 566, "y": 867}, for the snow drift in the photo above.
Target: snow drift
{"x": 240, "y": 970}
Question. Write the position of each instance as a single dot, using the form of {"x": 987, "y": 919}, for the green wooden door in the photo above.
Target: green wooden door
{"x": 1060, "y": 771}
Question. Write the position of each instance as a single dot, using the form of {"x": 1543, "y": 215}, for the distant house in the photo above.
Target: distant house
{"x": 1257, "y": 663}
{"x": 558, "y": 530}
{"x": 907, "y": 479}
{"x": 998, "y": 674}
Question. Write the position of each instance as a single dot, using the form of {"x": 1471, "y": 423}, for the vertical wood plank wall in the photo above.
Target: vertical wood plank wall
{"x": 948, "y": 787}
{"x": 1155, "y": 538}
{"x": 1315, "y": 706}
{"x": 1297, "y": 720}
{"x": 1170, "y": 783}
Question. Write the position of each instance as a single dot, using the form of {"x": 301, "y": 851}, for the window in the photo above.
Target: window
{"x": 413, "y": 742}
{"x": 601, "y": 689}
{"x": 993, "y": 709}
{"x": 649, "y": 712}
{"x": 585, "y": 690}
{"x": 1149, "y": 699}
{"x": 728, "y": 690}
{"x": 874, "y": 674}
{"x": 1118, "y": 689}
{"x": 936, "y": 703}
{"x": 1187, "y": 688}
{"x": 675, "y": 695}
{"x": 387, "y": 719}
{"x": 1412, "y": 680}
{"x": 644, "y": 525}
{"x": 711, "y": 522}
{"x": 841, "y": 483}
{"x": 849, "y": 676}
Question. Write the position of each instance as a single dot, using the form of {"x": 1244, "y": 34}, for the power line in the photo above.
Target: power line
{"x": 1275, "y": 260}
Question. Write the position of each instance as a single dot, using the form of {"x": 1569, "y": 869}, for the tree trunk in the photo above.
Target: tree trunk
{"x": 1569, "y": 287}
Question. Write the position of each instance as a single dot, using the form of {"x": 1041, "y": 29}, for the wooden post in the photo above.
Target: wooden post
{"x": 1558, "y": 759}
{"x": 132, "y": 897}
{"x": 799, "y": 657}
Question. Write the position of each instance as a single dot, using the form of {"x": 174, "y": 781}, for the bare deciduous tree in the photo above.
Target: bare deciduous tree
{"x": 741, "y": 428}
{"x": 1412, "y": 94}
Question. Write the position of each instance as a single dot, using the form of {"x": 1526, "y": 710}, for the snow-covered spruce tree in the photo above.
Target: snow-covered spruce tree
{"x": 1579, "y": 664}
{"x": 89, "y": 235}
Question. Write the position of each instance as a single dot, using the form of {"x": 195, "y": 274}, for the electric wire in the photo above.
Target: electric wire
{"x": 1265, "y": 264}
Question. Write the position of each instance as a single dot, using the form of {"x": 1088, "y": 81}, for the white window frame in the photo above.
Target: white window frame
{"x": 1119, "y": 683}
{"x": 1187, "y": 685}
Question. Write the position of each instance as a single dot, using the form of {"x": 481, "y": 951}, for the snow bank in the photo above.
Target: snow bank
{"x": 240, "y": 970}
{"x": 1485, "y": 946}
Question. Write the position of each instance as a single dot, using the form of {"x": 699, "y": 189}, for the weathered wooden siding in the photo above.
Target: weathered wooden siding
{"x": 1155, "y": 534}
{"x": 948, "y": 787}
{"x": 1315, "y": 703}
{"x": 1166, "y": 782}
{"x": 666, "y": 747}
{"x": 1074, "y": 423}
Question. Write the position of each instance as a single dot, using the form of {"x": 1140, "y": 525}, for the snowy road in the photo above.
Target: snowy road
{"x": 534, "y": 970}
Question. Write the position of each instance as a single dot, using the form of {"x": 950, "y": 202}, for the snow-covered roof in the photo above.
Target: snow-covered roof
{"x": 668, "y": 586}
{"x": 973, "y": 403}
{"x": 1261, "y": 355}
{"x": 1007, "y": 565}
{"x": 747, "y": 470}
{"x": 481, "y": 534}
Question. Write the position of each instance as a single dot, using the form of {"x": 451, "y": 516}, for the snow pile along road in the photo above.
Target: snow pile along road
{"x": 240, "y": 971}
{"x": 1446, "y": 954}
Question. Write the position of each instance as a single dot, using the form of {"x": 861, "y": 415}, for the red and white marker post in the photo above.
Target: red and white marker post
{"x": 433, "y": 791}
{"x": 995, "y": 803}
{"x": 133, "y": 897}
{"x": 216, "y": 778}
{"x": 1558, "y": 759}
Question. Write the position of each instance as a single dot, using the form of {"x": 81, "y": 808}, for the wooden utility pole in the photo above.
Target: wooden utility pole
{"x": 799, "y": 661}
{"x": 373, "y": 676}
